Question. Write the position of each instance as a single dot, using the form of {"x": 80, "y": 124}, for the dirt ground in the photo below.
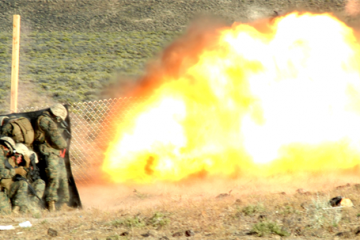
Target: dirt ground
{"x": 286, "y": 207}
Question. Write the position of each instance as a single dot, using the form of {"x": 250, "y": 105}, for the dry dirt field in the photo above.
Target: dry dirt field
{"x": 287, "y": 207}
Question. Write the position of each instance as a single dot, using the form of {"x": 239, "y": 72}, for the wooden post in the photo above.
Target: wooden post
{"x": 15, "y": 64}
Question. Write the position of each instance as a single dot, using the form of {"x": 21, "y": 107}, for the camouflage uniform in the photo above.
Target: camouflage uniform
{"x": 7, "y": 171}
{"x": 5, "y": 206}
{"x": 19, "y": 191}
{"x": 38, "y": 185}
{"x": 51, "y": 144}
{"x": 20, "y": 195}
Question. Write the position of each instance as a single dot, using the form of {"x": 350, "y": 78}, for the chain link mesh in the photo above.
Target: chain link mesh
{"x": 91, "y": 131}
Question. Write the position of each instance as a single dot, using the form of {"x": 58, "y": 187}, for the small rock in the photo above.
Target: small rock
{"x": 345, "y": 202}
{"x": 146, "y": 234}
{"x": 303, "y": 192}
{"x": 124, "y": 234}
{"x": 357, "y": 231}
{"x": 52, "y": 232}
{"x": 251, "y": 233}
{"x": 304, "y": 205}
{"x": 177, "y": 234}
{"x": 189, "y": 233}
{"x": 262, "y": 217}
{"x": 164, "y": 238}
{"x": 298, "y": 231}
{"x": 222, "y": 195}
{"x": 335, "y": 201}
{"x": 343, "y": 234}
{"x": 300, "y": 191}
{"x": 238, "y": 202}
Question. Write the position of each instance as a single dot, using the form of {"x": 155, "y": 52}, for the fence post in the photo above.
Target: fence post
{"x": 15, "y": 64}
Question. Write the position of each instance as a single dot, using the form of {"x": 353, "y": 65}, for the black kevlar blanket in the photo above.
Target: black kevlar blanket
{"x": 74, "y": 194}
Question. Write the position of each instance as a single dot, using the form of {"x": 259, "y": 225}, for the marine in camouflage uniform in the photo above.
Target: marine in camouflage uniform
{"x": 19, "y": 129}
{"x": 7, "y": 148}
{"x": 22, "y": 199}
{"x": 52, "y": 146}
{"x": 36, "y": 182}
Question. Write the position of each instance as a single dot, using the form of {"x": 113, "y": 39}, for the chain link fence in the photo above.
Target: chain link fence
{"x": 91, "y": 130}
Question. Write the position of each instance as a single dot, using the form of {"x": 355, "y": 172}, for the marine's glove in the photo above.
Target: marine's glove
{"x": 21, "y": 171}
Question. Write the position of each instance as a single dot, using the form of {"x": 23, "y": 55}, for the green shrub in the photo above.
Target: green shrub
{"x": 321, "y": 214}
{"x": 265, "y": 228}
{"x": 250, "y": 210}
{"x": 130, "y": 222}
{"x": 158, "y": 220}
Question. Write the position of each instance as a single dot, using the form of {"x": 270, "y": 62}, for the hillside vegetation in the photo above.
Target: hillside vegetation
{"x": 72, "y": 50}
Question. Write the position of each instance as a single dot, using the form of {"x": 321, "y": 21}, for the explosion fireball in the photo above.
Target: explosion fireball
{"x": 271, "y": 97}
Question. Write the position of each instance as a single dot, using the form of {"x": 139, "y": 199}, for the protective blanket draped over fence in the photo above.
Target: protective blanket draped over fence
{"x": 90, "y": 130}
{"x": 33, "y": 114}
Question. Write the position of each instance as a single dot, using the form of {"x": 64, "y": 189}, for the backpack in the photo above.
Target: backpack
{"x": 22, "y": 130}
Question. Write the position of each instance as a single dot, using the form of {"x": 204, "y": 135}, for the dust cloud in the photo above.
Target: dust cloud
{"x": 134, "y": 198}
{"x": 352, "y": 7}
{"x": 31, "y": 97}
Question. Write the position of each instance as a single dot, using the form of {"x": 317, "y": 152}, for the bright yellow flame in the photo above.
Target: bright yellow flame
{"x": 284, "y": 98}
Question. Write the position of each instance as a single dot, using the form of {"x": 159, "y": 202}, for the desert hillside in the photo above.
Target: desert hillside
{"x": 147, "y": 15}
{"x": 71, "y": 51}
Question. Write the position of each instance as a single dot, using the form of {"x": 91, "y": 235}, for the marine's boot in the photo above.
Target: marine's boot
{"x": 51, "y": 205}
{"x": 16, "y": 210}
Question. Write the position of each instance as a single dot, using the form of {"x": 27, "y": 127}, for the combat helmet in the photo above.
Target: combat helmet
{"x": 23, "y": 150}
{"x": 59, "y": 110}
{"x": 2, "y": 119}
{"x": 9, "y": 143}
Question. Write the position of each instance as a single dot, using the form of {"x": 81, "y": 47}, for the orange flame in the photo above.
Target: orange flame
{"x": 260, "y": 99}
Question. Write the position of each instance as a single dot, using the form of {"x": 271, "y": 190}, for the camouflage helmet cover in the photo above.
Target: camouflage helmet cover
{"x": 59, "y": 110}
{"x": 2, "y": 119}
{"x": 9, "y": 142}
